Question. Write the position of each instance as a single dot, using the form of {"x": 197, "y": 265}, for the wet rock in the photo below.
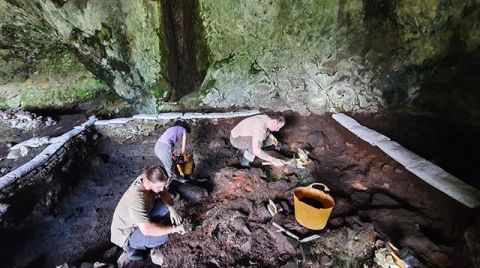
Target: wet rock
{"x": 261, "y": 213}
{"x": 238, "y": 223}
{"x": 422, "y": 245}
{"x": 290, "y": 264}
{"x": 109, "y": 254}
{"x": 317, "y": 139}
{"x": 326, "y": 261}
{"x": 190, "y": 192}
{"x": 360, "y": 198}
{"x": 380, "y": 199}
{"x": 336, "y": 222}
{"x": 342, "y": 207}
{"x": 282, "y": 243}
{"x": 86, "y": 265}
{"x": 472, "y": 248}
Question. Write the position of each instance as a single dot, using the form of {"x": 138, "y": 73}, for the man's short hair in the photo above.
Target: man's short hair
{"x": 276, "y": 116}
{"x": 155, "y": 174}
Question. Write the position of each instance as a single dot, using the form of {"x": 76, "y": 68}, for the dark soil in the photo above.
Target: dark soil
{"x": 375, "y": 199}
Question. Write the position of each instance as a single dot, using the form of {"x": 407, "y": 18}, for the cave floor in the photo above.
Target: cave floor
{"x": 376, "y": 200}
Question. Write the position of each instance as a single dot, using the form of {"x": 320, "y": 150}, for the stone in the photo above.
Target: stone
{"x": 98, "y": 264}
{"x": 157, "y": 257}
{"x": 326, "y": 261}
{"x": 3, "y": 208}
{"x": 86, "y": 265}
{"x": 380, "y": 199}
{"x": 471, "y": 237}
{"x": 238, "y": 223}
{"x": 290, "y": 264}
{"x": 336, "y": 222}
{"x": 317, "y": 138}
{"x": 190, "y": 192}
{"x": 360, "y": 198}
{"x": 110, "y": 253}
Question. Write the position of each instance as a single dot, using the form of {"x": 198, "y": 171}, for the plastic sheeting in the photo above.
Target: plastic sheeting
{"x": 41, "y": 158}
{"x": 424, "y": 169}
{"x": 170, "y": 116}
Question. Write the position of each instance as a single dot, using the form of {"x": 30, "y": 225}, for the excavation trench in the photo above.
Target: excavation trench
{"x": 376, "y": 200}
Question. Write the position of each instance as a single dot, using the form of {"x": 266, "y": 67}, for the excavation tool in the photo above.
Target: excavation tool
{"x": 294, "y": 236}
{"x": 300, "y": 159}
{"x": 404, "y": 258}
{"x": 184, "y": 162}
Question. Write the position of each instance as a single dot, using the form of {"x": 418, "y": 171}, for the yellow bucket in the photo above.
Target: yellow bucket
{"x": 185, "y": 167}
{"x": 312, "y": 206}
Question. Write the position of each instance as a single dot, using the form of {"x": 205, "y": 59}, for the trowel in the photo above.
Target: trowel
{"x": 299, "y": 162}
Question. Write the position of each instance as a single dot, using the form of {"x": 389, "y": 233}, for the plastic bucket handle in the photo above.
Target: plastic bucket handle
{"x": 325, "y": 188}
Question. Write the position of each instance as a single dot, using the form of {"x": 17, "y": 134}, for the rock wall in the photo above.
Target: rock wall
{"x": 331, "y": 55}
{"x": 304, "y": 55}
{"x": 117, "y": 41}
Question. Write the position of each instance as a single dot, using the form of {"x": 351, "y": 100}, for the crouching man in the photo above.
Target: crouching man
{"x": 140, "y": 220}
{"x": 253, "y": 133}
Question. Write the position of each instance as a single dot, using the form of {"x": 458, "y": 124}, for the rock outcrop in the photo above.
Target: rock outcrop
{"x": 307, "y": 56}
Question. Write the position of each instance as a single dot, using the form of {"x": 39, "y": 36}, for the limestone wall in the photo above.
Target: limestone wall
{"x": 304, "y": 55}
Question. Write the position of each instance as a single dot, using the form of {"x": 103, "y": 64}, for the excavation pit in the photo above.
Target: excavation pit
{"x": 376, "y": 200}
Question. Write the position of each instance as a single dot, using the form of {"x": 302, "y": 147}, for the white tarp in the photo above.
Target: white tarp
{"x": 424, "y": 169}
{"x": 170, "y": 116}
{"x": 45, "y": 154}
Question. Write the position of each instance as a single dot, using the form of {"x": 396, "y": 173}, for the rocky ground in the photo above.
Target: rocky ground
{"x": 376, "y": 200}
{"x": 19, "y": 125}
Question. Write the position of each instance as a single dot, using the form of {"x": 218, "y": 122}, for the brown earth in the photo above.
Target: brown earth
{"x": 376, "y": 200}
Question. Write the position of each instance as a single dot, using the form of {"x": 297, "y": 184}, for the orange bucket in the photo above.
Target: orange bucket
{"x": 185, "y": 167}
{"x": 312, "y": 206}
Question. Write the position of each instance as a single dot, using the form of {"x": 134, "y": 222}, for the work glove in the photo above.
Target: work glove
{"x": 274, "y": 140}
{"x": 179, "y": 229}
{"x": 277, "y": 162}
{"x": 175, "y": 217}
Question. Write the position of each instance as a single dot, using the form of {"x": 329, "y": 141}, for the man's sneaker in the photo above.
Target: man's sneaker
{"x": 245, "y": 163}
{"x": 135, "y": 254}
{"x": 123, "y": 260}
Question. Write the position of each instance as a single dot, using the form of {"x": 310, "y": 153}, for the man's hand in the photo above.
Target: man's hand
{"x": 179, "y": 229}
{"x": 174, "y": 216}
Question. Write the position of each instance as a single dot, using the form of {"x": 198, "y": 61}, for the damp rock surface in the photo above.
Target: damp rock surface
{"x": 231, "y": 226}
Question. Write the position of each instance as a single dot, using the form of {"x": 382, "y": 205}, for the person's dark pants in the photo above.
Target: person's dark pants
{"x": 140, "y": 241}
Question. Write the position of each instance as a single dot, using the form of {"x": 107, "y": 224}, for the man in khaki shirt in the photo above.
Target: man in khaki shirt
{"x": 253, "y": 133}
{"x": 139, "y": 222}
